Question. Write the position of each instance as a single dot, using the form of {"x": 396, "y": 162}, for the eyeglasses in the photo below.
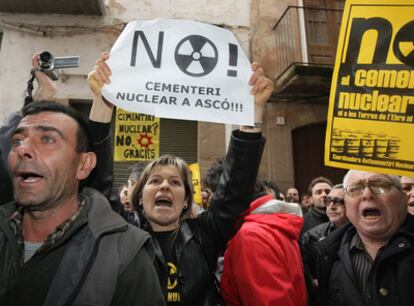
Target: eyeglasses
{"x": 376, "y": 187}
{"x": 407, "y": 187}
{"x": 335, "y": 200}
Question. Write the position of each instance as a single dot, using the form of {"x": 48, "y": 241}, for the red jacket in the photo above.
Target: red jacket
{"x": 263, "y": 264}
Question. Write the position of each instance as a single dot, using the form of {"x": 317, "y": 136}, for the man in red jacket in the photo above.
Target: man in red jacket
{"x": 262, "y": 264}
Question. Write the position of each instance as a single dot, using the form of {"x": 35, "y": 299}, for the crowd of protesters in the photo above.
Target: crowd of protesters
{"x": 67, "y": 238}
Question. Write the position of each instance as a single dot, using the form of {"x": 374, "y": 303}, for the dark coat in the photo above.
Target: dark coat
{"x": 392, "y": 272}
{"x": 200, "y": 241}
{"x": 313, "y": 218}
{"x": 315, "y": 234}
{"x": 101, "y": 261}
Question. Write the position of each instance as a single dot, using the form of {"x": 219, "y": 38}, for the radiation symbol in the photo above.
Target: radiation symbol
{"x": 196, "y": 55}
{"x": 144, "y": 140}
{"x": 172, "y": 277}
{"x": 404, "y": 44}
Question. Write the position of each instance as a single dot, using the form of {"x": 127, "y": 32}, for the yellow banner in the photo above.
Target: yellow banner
{"x": 371, "y": 105}
{"x": 137, "y": 136}
{"x": 195, "y": 170}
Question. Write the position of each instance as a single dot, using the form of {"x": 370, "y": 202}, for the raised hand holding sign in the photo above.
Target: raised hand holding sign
{"x": 180, "y": 69}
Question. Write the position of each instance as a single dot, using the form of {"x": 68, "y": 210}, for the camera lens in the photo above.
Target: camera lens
{"x": 46, "y": 60}
{"x": 45, "y": 56}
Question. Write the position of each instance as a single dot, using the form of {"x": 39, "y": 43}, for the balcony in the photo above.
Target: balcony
{"x": 72, "y": 7}
{"x": 306, "y": 40}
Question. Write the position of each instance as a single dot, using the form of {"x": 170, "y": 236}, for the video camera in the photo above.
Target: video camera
{"x": 48, "y": 63}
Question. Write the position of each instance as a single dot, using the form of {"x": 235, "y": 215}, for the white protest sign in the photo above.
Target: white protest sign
{"x": 181, "y": 69}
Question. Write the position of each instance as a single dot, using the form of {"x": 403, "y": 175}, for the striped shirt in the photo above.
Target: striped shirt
{"x": 362, "y": 264}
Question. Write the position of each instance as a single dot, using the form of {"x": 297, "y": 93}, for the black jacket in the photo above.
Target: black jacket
{"x": 100, "y": 260}
{"x": 392, "y": 272}
{"x": 200, "y": 241}
{"x": 313, "y": 218}
{"x": 315, "y": 234}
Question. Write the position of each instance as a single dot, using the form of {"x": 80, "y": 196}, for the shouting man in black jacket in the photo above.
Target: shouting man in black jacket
{"x": 371, "y": 260}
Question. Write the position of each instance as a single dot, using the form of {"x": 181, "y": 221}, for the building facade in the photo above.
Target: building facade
{"x": 278, "y": 34}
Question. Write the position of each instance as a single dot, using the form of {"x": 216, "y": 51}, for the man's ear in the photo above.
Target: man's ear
{"x": 87, "y": 163}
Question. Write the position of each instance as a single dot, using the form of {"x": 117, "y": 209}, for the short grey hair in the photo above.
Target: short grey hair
{"x": 338, "y": 186}
{"x": 394, "y": 178}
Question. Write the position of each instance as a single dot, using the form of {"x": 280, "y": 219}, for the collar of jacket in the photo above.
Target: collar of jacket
{"x": 330, "y": 244}
{"x": 267, "y": 205}
{"x": 5, "y": 212}
{"x": 407, "y": 228}
{"x": 104, "y": 220}
{"x": 345, "y": 233}
{"x": 185, "y": 232}
{"x": 327, "y": 249}
{"x": 183, "y": 236}
{"x": 322, "y": 230}
{"x": 320, "y": 213}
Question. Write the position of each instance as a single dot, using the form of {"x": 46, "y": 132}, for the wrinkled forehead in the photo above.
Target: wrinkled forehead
{"x": 407, "y": 180}
{"x": 60, "y": 121}
{"x": 292, "y": 190}
{"x": 321, "y": 186}
{"x": 337, "y": 193}
{"x": 362, "y": 176}
{"x": 165, "y": 170}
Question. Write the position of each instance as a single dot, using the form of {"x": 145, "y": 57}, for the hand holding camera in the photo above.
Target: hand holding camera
{"x": 48, "y": 63}
{"x": 43, "y": 69}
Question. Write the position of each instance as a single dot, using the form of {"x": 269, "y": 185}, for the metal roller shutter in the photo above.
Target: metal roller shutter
{"x": 177, "y": 137}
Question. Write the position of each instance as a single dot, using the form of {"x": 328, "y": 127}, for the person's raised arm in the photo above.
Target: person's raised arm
{"x": 101, "y": 110}
{"x": 236, "y": 185}
{"x": 262, "y": 90}
{"x": 100, "y": 122}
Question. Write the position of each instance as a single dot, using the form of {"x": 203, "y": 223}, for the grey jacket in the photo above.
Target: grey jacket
{"x": 94, "y": 260}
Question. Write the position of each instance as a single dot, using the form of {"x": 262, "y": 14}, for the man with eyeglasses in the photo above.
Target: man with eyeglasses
{"x": 371, "y": 260}
{"x": 408, "y": 187}
{"x": 336, "y": 212}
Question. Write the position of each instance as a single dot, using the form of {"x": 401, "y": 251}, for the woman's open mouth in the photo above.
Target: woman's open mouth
{"x": 163, "y": 201}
